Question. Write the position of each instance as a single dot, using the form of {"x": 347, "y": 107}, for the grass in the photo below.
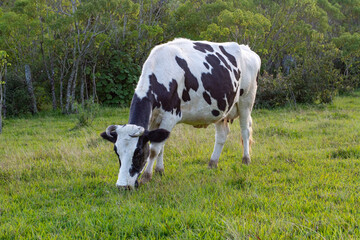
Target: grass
{"x": 303, "y": 182}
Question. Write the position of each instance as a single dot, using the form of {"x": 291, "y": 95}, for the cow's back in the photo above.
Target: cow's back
{"x": 196, "y": 81}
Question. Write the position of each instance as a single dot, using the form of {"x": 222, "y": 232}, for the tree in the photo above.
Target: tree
{"x": 350, "y": 55}
{"x": 3, "y": 67}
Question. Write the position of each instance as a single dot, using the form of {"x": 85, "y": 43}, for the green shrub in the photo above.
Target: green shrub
{"x": 272, "y": 91}
{"x": 17, "y": 97}
{"x": 314, "y": 79}
{"x": 117, "y": 80}
{"x": 85, "y": 114}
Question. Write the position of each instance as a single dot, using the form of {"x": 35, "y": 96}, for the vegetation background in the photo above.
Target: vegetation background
{"x": 76, "y": 50}
{"x": 59, "y": 57}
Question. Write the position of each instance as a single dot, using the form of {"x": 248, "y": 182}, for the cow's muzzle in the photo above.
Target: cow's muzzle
{"x": 128, "y": 187}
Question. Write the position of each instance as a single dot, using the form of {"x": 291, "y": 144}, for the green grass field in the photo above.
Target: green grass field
{"x": 303, "y": 182}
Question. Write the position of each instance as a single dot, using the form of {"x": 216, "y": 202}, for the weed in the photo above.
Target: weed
{"x": 345, "y": 153}
{"x": 86, "y": 113}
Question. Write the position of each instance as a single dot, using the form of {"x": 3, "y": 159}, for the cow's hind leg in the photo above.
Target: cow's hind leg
{"x": 222, "y": 130}
{"x": 246, "y": 133}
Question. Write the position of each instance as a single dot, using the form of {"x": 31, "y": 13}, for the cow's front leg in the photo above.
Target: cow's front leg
{"x": 222, "y": 130}
{"x": 159, "y": 168}
{"x": 155, "y": 150}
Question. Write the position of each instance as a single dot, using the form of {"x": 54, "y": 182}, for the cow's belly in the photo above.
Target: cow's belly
{"x": 201, "y": 114}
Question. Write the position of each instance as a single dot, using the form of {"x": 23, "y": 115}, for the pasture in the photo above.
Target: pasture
{"x": 303, "y": 182}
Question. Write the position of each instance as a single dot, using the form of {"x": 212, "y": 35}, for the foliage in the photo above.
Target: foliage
{"x": 315, "y": 82}
{"x": 17, "y": 97}
{"x": 86, "y": 113}
{"x": 61, "y": 40}
{"x": 272, "y": 92}
{"x": 350, "y": 56}
{"x": 303, "y": 182}
{"x": 117, "y": 80}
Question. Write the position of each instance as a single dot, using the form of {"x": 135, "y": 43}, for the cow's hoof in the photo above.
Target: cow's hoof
{"x": 212, "y": 164}
{"x": 145, "y": 177}
{"x": 246, "y": 160}
{"x": 160, "y": 171}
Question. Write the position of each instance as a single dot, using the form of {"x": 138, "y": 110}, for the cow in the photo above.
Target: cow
{"x": 183, "y": 81}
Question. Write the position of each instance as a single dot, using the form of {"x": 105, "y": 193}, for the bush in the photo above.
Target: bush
{"x": 85, "y": 114}
{"x": 314, "y": 79}
{"x": 17, "y": 97}
{"x": 272, "y": 91}
{"x": 117, "y": 80}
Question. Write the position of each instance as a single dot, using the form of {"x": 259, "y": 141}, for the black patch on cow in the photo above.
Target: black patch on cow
{"x": 215, "y": 113}
{"x": 237, "y": 74}
{"x": 229, "y": 56}
{"x": 218, "y": 83}
{"x": 139, "y": 157}
{"x": 203, "y": 47}
{"x": 156, "y": 136}
{"x": 115, "y": 149}
{"x": 142, "y": 152}
{"x": 185, "y": 96}
{"x": 168, "y": 100}
{"x": 142, "y": 148}
{"x": 241, "y": 92}
{"x": 140, "y": 110}
{"x": 206, "y": 65}
{"x": 223, "y": 60}
{"x": 207, "y": 97}
{"x": 191, "y": 81}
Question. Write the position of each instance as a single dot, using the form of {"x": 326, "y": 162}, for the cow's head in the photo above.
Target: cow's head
{"x": 132, "y": 148}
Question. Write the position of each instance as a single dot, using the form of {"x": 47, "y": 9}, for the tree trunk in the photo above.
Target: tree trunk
{"x": 68, "y": 91}
{"x": 30, "y": 89}
{"x": 61, "y": 91}
{"x": 73, "y": 89}
{"x": 124, "y": 27}
{"x": 4, "y": 93}
{"x": 86, "y": 90}
{"x": 1, "y": 101}
{"x": 139, "y": 29}
{"x": 94, "y": 83}
{"x": 71, "y": 83}
{"x": 52, "y": 83}
{"x": 82, "y": 85}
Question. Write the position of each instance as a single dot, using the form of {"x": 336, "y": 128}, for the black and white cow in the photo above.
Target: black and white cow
{"x": 184, "y": 81}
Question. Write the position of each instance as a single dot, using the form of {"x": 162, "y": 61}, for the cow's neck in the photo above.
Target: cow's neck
{"x": 140, "y": 111}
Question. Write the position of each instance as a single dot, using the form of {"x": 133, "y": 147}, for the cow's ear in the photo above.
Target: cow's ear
{"x": 157, "y": 135}
{"x": 113, "y": 137}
